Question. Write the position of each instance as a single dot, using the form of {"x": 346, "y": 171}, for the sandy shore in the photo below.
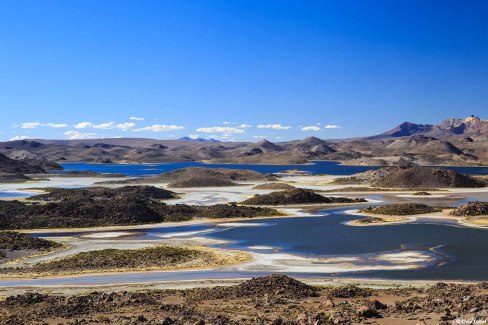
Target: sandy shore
{"x": 215, "y": 258}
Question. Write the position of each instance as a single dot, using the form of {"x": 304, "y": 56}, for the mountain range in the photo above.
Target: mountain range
{"x": 451, "y": 142}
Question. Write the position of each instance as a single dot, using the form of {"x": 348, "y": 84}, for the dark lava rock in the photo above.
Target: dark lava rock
{"x": 477, "y": 208}
{"x": 296, "y": 196}
{"x": 275, "y": 285}
{"x": 349, "y": 291}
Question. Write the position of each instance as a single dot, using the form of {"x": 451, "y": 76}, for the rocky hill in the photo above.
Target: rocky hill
{"x": 90, "y": 207}
{"x": 423, "y": 177}
{"x": 296, "y": 196}
{"x": 472, "y": 209}
{"x": 201, "y": 177}
{"x": 12, "y": 166}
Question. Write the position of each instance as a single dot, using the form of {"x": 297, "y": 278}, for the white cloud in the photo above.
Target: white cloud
{"x": 193, "y": 136}
{"x": 310, "y": 128}
{"x": 83, "y": 125}
{"x": 273, "y": 126}
{"x": 245, "y": 126}
{"x": 30, "y": 125}
{"x": 20, "y": 137}
{"x": 105, "y": 126}
{"x": 226, "y": 123}
{"x": 160, "y": 128}
{"x": 57, "y": 125}
{"x": 125, "y": 126}
{"x": 333, "y": 126}
{"x": 33, "y": 125}
{"x": 76, "y": 135}
{"x": 136, "y": 118}
{"x": 259, "y": 136}
{"x": 220, "y": 129}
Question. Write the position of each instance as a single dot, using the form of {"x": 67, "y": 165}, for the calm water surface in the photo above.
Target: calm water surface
{"x": 318, "y": 167}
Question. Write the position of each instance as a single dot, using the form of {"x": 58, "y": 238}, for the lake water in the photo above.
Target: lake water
{"x": 460, "y": 252}
{"x": 318, "y": 167}
{"x": 14, "y": 194}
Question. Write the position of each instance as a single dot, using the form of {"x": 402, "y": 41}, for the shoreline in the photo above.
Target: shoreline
{"x": 221, "y": 258}
{"x": 366, "y": 282}
{"x": 293, "y": 212}
{"x": 460, "y": 221}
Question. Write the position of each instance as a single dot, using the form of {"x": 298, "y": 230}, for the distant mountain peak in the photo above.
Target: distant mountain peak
{"x": 450, "y": 126}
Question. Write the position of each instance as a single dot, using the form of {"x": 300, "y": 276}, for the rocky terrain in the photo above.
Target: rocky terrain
{"x": 13, "y": 178}
{"x": 104, "y": 193}
{"x": 89, "y": 207}
{"x": 418, "y": 177}
{"x": 200, "y": 177}
{"x": 16, "y": 241}
{"x": 150, "y": 258}
{"x": 402, "y": 209}
{"x": 183, "y": 212}
{"x": 12, "y": 166}
{"x": 274, "y": 186}
{"x": 413, "y": 178}
{"x": 451, "y": 142}
{"x": 296, "y": 196}
{"x": 472, "y": 209}
{"x": 274, "y": 299}
{"x": 202, "y": 182}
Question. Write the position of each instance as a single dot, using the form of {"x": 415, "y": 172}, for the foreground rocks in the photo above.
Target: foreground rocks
{"x": 274, "y": 299}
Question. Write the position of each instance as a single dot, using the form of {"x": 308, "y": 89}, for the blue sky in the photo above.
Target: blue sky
{"x": 240, "y": 69}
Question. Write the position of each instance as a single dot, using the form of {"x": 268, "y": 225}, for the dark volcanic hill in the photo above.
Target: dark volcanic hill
{"x": 424, "y": 177}
{"x": 296, "y": 196}
{"x": 13, "y": 166}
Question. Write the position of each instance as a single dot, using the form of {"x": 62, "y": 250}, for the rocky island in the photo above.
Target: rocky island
{"x": 297, "y": 196}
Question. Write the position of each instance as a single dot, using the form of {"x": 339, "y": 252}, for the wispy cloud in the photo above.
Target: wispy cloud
{"x": 20, "y": 137}
{"x": 33, "y": 125}
{"x": 76, "y": 135}
{"x": 244, "y": 125}
{"x": 221, "y": 129}
{"x": 273, "y": 126}
{"x": 134, "y": 118}
{"x": 29, "y": 125}
{"x": 310, "y": 128}
{"x": 333, "y": 126}
{"x": 105, "y": 126}
{"x": 57, "y": 125}
{"x": 160, "y": 128}
{"x": 125, "y": 126}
